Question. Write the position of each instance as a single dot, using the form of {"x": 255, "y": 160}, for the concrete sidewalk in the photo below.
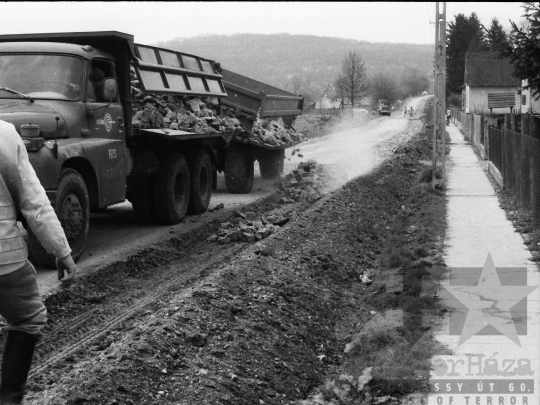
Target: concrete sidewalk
{"x": 493, "y": 327}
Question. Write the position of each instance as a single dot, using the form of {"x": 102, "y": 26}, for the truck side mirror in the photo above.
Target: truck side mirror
{"x": 110, "y": 89}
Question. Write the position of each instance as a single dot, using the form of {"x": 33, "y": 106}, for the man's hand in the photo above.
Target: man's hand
{"x": 67, "y": 264}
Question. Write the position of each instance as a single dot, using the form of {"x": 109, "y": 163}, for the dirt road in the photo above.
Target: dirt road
{"x": 115, "y": 234}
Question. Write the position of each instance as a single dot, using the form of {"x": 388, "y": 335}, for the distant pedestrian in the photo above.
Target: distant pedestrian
{"x": 405, "y": 112}
{"x": 411, "y": 112}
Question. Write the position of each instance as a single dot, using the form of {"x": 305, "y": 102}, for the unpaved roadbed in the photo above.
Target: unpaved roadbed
{"x": 228, "y": 324}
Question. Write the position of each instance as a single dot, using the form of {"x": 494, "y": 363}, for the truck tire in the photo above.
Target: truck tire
{"x": 239, "y": 169}
{"x": 200, "y": 170}
{"x": 142, "y": 201}
{"x": 73, "y": 211}
{"x": 171, "y": 189}
{"x": 271, "y": 163}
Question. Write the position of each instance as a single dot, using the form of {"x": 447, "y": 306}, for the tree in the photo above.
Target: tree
{"x": 384, "y": 87}
{"x": 339, "y": 92}
{"x": 354, "y": 78}
{"x": 305, "y": 86}
{"x": 477, "y": 41}
{"x": 296, "y": 84}
{"x": 496, "y": 38}
{"x": 463, "y": 35}
{"x": 523, "y": 50}
{"x": 457, "y": 43}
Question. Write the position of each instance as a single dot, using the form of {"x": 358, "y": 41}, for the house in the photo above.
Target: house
{"x": 528, "y": 103}
{"x": 490, "y": 86}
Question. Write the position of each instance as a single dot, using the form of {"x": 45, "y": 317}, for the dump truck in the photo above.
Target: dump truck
{"x": 383, "y": 108}
{"x": 81, "y": 141}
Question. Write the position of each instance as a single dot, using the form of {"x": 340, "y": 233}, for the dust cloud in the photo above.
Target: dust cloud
{"x": 351, "y": 149}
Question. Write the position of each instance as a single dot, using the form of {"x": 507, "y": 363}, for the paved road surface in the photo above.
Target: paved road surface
{"x": 114, "y": 234}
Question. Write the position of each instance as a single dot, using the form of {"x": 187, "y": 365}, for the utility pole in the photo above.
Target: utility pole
{"x": 439, "y": 90}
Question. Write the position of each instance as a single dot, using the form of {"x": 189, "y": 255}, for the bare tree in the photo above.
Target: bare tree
{"x": 384, "y": 87}
{"x": 296, "y": 84}
{"x": 339, "y": 91}
{"x": 354, "y": 78}
{"x": 305, "y": 86}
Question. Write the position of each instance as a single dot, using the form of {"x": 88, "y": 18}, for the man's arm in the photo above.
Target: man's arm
{"x": 40, "y": 216}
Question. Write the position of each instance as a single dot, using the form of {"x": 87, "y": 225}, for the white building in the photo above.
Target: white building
{"x": 490, "y": 86}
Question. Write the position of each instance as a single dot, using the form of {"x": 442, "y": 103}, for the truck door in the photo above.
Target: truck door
{"x": 105, "y": 122}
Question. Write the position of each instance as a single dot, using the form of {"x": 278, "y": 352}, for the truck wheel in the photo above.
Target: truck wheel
{"x": 72, "y": 209}
{"x": 171, "y": 189}
{"x": 200, "y": 169}
{"x": 271, "y": 163}
{"x": 142, "y": 200}
{"x": 239, "y": 169}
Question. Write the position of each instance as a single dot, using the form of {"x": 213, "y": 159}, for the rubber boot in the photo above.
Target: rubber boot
{"x": 16, "y": 361}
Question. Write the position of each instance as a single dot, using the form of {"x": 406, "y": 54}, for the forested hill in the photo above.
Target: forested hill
{"x": 276, "y": 58}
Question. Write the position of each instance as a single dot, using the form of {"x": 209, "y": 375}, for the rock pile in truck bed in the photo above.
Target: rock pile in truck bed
{"x": 275, "y": 133}
{"x": 202, "y": 116}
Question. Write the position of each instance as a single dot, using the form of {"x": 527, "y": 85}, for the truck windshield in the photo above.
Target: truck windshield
{"x": 41, "y": 76}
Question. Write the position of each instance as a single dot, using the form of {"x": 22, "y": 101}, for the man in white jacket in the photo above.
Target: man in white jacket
{"x": 20, "y": 302}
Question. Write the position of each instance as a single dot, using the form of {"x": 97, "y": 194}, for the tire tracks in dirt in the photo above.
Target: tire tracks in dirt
{"x": 76, "y": 333}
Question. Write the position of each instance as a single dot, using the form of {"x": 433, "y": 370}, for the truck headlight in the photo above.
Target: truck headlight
{"x": 30, "y": 136}
{"x": 33, "y": 143}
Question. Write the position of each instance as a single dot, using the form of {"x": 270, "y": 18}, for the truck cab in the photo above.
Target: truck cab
{"x": 53, "y": 94}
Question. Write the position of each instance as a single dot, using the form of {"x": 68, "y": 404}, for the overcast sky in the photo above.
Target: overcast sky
{"x": 154, "y": 22}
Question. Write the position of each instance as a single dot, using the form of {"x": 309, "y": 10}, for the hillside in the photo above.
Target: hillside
{"x": 316, "y": 61}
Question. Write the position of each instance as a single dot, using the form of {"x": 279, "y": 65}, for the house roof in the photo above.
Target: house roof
{"x": 483, "y": 69}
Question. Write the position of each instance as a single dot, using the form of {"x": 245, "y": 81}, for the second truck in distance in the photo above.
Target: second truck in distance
{"x": 383, "y": 108}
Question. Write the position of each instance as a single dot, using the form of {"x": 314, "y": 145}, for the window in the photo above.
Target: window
{"x": 41, "y": 76}
{"x": 101, "y": 70}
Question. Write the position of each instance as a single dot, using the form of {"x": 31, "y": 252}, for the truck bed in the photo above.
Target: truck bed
{"x": 247, "y": 97}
